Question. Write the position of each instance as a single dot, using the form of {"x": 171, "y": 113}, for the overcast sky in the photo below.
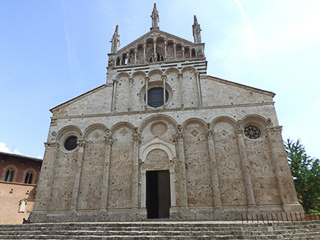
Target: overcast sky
{"x": 52, "y": 51}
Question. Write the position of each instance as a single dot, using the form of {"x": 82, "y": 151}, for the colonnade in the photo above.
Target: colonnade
{"x": 131, "y": 56}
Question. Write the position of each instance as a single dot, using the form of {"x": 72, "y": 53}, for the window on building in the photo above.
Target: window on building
{"x": 252, "y": 132}
{"x": 9, "y": 175}
{"x": 28, "y": 178}
{"x": 71, "y": 143}
{"x": 155, "y": 97}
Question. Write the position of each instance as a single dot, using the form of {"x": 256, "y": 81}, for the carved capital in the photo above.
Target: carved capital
{"x": 146, "y": 79}
{"x": 179, "y": 134}
{"x": 115, "y": 81}
{"x": 108, "y": 140}
{"x": 180, "y": 75}
{"x": 210, "y": 133}
{"x": 274, "y": 129}
{"x": 51, "y": 144}
{"x": 269, "y": 122}
{"x": 239, "y": 131}
{"x": 131, "y": 80}
{"x": 164, "y": 77}
{"x": 136, "y": 137}
{"x": 81, "y": 142}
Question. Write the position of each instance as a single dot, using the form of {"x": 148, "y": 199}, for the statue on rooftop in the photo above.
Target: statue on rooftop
{"x": 155, "y": 18}
{"x": 196, "y": 31}
{"x": 115, "y": 41}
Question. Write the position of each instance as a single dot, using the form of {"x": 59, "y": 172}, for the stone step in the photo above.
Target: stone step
{"x": 107, "y": 233}
{"x": 129, "y": 237}
{"x": 163, "y": 230}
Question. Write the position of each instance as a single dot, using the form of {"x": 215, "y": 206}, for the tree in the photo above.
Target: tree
{"x": 306, "y": 175}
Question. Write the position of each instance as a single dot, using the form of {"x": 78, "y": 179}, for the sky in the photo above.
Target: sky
{"x": 52, "y": 51}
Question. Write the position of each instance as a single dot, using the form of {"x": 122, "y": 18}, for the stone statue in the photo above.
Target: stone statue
{"x": 115, "y": 41}
{"x": 155, "y": 18}
{"x": 196, "y": 31}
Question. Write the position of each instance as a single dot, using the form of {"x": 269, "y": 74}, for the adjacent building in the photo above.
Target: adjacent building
{"x": 18, "y": 182}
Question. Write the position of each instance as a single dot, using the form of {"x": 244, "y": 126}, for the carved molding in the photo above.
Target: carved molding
{"x": 51, "y": 144}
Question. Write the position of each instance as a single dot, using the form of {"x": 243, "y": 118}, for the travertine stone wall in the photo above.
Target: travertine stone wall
{"x": 91, "y": 180}
{"x": 121, "y": 167}
{"x": 199, "y": 184}
{"x": 63, "y": 178}
{"x": 232, "y": 185}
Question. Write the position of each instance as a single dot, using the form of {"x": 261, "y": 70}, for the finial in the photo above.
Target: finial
{"x": 196, "y": 30}
{"x": 115, "y": 41}
{"x": 155, "y": 18}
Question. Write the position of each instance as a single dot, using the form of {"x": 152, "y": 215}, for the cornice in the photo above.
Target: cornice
{"x": 163, "y": 110}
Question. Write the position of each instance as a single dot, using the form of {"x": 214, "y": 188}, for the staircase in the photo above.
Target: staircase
{"x": 163, "y": 230}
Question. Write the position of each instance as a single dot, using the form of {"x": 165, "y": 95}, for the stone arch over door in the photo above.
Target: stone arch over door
{"x": 158, "y": 155}
{"x": 199, "y": 183}
{"x": 91, "y": 178}
{"x": 230, "y": 170}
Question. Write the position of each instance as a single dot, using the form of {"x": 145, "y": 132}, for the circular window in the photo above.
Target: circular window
{"x": 71, "y": 143}
{"x": 252, "y": 132}
{"x": 155, "y": 97}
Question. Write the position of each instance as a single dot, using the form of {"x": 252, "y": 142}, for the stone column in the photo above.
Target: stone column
{"x": 130, "y": 94}
{"x": 105, "y": 178}
{"x": 183, "y": 52}
{"x": 198, "y": 90}
{"x": 75, "y": 193}
{"x": 175, "y": 50}
{"x": 127, "y": 57}
{"x": 183, "y": 172}
{"x": 214, "y": 169}
{"x": 245, "y": 168}
{"x": 135, "y": 56}
{"x": 164, "y": 78}
{"x": 180, "y": 76}
{"x": 144, "y": 52}
{"x": 135, "y": 180}
{"x": 190, "y": 52}
{"x": 165, "y": 49}
{"x": 147, "y": 88}
{"x": 114, "y": 91}
{"x": 155, "y": 49}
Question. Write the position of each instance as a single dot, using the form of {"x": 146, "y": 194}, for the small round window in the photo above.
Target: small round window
{"x": 252, "y": 132}
{"x": 71, "y": 143}
{"x": 155, "y": 97}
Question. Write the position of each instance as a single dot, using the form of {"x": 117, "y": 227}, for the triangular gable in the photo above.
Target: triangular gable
{"x": 77, "y": 98}
{"x": 241, "y": 86}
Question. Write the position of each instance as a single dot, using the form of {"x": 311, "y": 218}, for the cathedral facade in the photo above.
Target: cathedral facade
{"x": 162, "y": 139}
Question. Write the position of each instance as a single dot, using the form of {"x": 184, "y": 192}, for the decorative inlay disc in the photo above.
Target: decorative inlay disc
{"x": 159, "y": 128}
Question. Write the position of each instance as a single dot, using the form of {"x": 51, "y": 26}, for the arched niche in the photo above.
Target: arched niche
{"x": 157, "y": 143}
{"x": 93, "y": 127}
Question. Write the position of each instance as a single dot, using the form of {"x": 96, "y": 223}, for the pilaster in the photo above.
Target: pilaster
{"x": 81, "y": 144}
{"x": 135, "y": 181}
{"x": 245, "y": 168}
{"x": 183, "y": 173}
{"x": 214, "y": 169}
{"x": 105, "y": 178}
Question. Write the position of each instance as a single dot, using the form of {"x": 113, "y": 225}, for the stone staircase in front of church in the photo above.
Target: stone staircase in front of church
{"x": 163, "y": 230}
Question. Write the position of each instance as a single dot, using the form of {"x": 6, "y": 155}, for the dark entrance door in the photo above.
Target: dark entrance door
{"x": 158, "y": 194}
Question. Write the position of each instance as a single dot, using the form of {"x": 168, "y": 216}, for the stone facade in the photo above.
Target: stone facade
{"x": 162, "y": 127}
{"x": 18, "y": 182}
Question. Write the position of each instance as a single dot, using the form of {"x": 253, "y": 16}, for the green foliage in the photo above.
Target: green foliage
{"x": 306, "y": 175}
